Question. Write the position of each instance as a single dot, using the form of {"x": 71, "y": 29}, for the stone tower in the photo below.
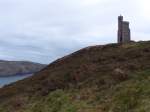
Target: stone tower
{"x": 123, "y": 31}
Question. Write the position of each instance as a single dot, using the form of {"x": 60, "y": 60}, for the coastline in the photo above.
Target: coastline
{"x": 6, "y": 80}
{"x": 18, "y": 74}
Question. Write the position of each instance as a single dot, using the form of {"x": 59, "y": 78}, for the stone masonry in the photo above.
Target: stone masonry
{"x": 124, "y": 35}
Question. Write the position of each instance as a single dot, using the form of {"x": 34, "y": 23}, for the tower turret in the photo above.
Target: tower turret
{"x": 123, "y": 30}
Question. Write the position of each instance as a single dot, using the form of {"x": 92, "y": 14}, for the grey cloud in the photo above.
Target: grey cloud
{"x": 44, "y": 30}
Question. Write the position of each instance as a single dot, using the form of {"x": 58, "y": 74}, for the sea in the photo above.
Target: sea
{"x": 10, "y": 79}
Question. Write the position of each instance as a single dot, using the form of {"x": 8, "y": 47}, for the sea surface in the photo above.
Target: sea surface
{"x": 10, "y": 79}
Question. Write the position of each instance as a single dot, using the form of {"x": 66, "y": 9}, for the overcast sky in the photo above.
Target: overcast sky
{"x": 44, "y": 30}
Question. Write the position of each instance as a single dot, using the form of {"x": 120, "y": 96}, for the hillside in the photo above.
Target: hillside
{"x": 109, "y": 78}
{"x": 10, "y": 68}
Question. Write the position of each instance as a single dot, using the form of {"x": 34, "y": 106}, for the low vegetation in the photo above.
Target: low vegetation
{"x": 111, "y": 78}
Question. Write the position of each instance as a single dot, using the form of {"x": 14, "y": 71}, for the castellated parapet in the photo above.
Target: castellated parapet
{"x": 124, "y": 35}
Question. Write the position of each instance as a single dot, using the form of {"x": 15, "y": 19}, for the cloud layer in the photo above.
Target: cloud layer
{"x": 44, "y": 30}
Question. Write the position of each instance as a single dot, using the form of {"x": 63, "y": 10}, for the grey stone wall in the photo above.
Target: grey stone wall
{"x": 124, "y": 35}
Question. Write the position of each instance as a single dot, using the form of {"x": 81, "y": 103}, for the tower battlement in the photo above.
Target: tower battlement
{"x": 124, "y": 35}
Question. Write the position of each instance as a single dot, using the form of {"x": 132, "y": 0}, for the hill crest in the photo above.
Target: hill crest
{"x": 97, "y": 70}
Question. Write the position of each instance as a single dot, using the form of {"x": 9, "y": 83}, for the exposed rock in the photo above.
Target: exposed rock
{"x": 120, "y": 74}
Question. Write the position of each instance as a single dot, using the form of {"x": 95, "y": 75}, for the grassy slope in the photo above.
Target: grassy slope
{"x": 111, "y": 78}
